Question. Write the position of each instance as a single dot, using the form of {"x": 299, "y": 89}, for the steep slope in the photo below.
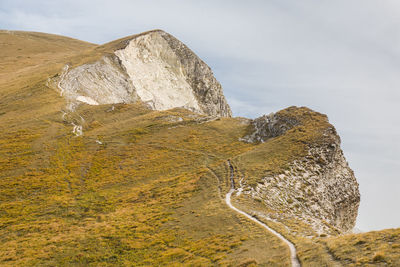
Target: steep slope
{"x": 143, "y": 186}
{"x": 311, "y": 180}
{"x": 152, "y": 67}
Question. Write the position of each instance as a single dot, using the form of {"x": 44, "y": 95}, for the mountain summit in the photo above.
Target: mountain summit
{"x": 153, "y": 67}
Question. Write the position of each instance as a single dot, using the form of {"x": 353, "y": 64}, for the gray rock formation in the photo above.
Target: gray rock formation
{"x": 101, "y": 82}
{"x": 207, "y": 89}
{"x": 153, "y": 67}
{"x": 319, "y": 189}
{"x": 269, "y": 126}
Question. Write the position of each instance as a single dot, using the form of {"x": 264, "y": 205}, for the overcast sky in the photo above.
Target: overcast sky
{"x": 341, "y": 58}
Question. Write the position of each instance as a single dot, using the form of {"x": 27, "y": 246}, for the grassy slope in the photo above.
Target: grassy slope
{"x": 26, "y": 61}
{"x": 148, "y": 195}
{"x": 135, "y": 199}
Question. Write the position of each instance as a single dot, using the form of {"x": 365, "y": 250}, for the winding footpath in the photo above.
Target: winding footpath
{"x": 293, "y": 253}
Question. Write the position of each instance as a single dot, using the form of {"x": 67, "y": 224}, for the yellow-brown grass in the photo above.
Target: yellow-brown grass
{"x": 150, "y": 194}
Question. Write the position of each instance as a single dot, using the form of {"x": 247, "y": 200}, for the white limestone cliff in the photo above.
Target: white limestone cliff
{"x": 154, "y": 68}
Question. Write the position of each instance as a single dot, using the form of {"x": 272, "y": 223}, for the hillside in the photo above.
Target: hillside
{"x": 90, "y": 177}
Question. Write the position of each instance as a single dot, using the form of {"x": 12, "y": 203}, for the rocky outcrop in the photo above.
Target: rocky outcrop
{"x": 207, "y": 89}
{"x": 269, "y": 126}
{"x": 154, "y": 68}
{"x": 318, "y": 188}
{"x": 101, "y": 82}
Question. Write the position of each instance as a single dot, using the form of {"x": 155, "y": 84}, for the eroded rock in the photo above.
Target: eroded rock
{"x": 318, "y": 188}
{"x": 101, "y": 82}
{"x": 153, "y": 67}
{"x": 269, "y": 126}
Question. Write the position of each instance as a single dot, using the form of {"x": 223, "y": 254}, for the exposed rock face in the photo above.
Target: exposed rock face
{"x": 319, "y": 188}
{"x": 102, "y": 82}
{"x": 207, "y": 89}
{"x": 269, "y": 126}
{"x": 153, "y": 67}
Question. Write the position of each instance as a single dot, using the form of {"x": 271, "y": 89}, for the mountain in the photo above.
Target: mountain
{"x": 127, "y": 154}
{"x": 153, "y": 67}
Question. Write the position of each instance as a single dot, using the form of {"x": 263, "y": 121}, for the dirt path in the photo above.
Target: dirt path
{"x": 293, "y": 253}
